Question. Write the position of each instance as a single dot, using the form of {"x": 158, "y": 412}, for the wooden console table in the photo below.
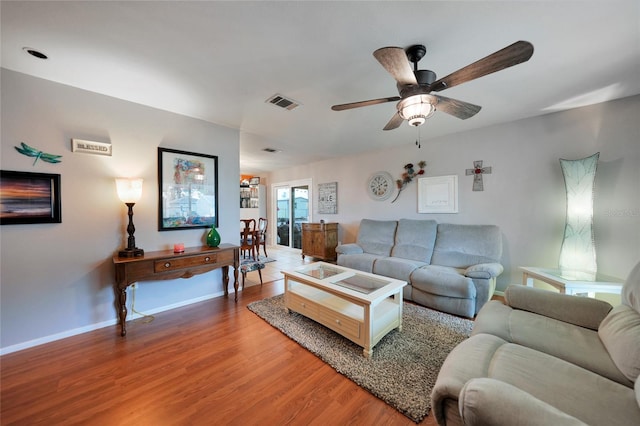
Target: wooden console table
{"x": 167, "y": 265}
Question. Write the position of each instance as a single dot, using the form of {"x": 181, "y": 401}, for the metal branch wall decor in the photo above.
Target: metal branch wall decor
{"x": 477, "y": 173}
{"x": 409, "y": 173}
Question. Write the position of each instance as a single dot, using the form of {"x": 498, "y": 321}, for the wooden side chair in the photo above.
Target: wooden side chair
{"x": 248, "y": 237}
{"x": 262, "y": 235}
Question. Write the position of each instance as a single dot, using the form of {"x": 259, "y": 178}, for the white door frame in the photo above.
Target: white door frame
{"x": 273, "y": 211}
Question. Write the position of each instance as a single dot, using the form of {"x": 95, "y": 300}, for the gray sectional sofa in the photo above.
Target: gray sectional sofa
{"x": 544, "y": 358}
{"x": 449, "y": 267}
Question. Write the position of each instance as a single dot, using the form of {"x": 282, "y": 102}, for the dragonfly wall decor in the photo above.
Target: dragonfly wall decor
{"x": 25, "y": 149}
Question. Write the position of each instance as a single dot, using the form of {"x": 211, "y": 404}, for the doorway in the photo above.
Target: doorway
{"x": 292, "y": 210}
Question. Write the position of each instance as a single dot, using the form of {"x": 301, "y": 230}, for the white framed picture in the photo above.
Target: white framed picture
{"x": 438, "y": 194}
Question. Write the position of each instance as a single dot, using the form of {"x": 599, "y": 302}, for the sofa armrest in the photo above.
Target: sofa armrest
{"x": 580, "y": 311}
{"x": 351, "y": 248}
{"x": 484, "y": 270}
{"x": 484, "y": 401}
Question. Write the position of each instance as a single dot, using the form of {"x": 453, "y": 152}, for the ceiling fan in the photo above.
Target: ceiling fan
{"x": 417, "y": 102}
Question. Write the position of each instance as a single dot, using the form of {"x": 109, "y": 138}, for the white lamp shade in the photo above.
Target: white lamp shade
{"x": 129, "y": 190}
{"x": 416, "y": 109}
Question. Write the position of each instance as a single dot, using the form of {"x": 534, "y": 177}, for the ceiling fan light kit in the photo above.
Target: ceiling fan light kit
{"x": 416, "y": 101}
{"x": 416, "y": 109}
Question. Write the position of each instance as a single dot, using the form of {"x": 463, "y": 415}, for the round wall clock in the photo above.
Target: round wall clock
{"x": 380, "y": 186}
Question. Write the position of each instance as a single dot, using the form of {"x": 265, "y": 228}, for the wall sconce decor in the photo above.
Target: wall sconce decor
{"x": 130, "y": 192}
{"x": 578, "y": 253}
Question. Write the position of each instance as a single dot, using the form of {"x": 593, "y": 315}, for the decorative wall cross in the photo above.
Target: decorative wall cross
{"x": 477, "y": 173}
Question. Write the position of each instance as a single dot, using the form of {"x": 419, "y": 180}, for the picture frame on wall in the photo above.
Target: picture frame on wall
{"x": 328, "y": 198}
{"x": 28, "y": 198}
{"x": 438, "y": 194}
{"x": 187, "y": 190}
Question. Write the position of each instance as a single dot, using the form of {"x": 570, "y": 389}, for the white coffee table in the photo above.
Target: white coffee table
{"x": 574, "y": 283}
{"x": 360, "y": 306}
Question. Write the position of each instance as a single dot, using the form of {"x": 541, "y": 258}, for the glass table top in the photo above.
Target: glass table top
{"x": 345, "y": 278}
{"x": 362, "y": 283}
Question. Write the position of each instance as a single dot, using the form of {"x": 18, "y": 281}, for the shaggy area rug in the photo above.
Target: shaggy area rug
{"x": 404, "y": 365}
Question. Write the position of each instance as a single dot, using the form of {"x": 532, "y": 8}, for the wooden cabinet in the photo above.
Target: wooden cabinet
{"x": 320, "y": 240}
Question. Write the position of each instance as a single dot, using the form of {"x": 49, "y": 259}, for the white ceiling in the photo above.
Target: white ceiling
{"x": 219, "y": 62}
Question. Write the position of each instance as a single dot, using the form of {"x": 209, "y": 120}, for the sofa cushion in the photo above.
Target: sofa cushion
{"x": 461, "y": 246}
{"x": 572, "y": 389}
{"x": 484, "y": 270}
{"x": 492, "y": 402}
{"x": 443, "y": 281}
{"x": 349, "y": 248}
{"x": 620, "y": 333}
{"x": 377, "y": 236}
{"x": 578, "y": 345}
{"x": 631, "y": 290}
{"x": 576, "y": 391}
{"x": 581, "y": 311}
{"x": 396, "y": 267}
{"x": 415, "y": 239}
{"x": 362, "y": 262}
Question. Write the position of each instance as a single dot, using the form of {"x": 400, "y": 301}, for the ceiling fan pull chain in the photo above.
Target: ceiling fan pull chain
{"x": 418, "y": 140}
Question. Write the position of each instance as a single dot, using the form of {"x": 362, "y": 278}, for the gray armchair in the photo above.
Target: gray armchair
{"x": 546, "y": 358}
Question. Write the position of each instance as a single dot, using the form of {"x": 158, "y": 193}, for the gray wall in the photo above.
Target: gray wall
{"x": 57, "y": 279}
{"x": 525, "y": 193}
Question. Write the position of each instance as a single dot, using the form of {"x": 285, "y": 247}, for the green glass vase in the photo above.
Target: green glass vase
{"x": 213, "y": 238}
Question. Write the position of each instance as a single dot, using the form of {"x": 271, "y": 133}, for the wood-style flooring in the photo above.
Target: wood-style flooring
{"x": 210, "y": 363}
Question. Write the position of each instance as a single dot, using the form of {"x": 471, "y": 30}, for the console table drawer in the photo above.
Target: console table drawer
{"x": 342, "y": 324}
{"x": 184, "y": 262}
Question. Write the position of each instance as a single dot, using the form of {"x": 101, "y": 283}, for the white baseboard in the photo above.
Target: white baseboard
{"x": 96, "y": 326}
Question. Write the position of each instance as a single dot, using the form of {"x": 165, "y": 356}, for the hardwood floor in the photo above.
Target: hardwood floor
{"x": 213, "y": 362}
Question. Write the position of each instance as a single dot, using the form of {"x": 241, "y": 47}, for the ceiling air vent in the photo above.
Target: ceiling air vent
{"x": 282, "y": 102}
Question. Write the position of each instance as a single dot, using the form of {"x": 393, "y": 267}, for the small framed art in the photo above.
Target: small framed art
{"x": 328, "y": 198}
{"x": 27, "y": 197}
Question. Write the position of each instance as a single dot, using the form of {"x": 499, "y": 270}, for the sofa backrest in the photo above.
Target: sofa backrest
{"x": 415, "y": 239}
{"x": 460, "y": 246}
{"x": 631, "y": 289}
{"x": 377, "y": 236}
{"x": 620, "y": 330}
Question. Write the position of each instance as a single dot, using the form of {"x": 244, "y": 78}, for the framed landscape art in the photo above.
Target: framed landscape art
{"x": 27, "y": 198}
{"x": 188, "y": 190}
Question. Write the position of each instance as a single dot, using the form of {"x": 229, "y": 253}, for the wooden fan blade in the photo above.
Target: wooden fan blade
{"x": 514, "y": 54}
{"x": 460, "y": 109}
{"x": 394, "y": 60}
{"x": 394, "y": 123}
{"x": 351, "y": 105}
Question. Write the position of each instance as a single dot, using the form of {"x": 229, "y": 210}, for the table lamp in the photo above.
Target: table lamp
{"x": 129, "y": 192}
